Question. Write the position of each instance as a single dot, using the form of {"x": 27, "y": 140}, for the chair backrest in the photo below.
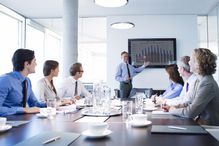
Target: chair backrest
{"x": 147, "y": 91}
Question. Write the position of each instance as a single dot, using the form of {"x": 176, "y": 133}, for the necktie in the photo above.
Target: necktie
{"x": 129, "y": 75}
{"x": 24, "y": 91}
{"x": 187, "y": 87}
{"x": 76, "y": 88}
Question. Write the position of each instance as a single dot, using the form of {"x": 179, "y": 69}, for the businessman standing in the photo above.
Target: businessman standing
{"x": 125, "y": 73}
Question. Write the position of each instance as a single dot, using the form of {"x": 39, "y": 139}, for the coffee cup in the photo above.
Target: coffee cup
{"x": 149, "y": 103}
{"x": 139, "y": 118}
{"x": 3, "y": 121}
{"x": 98, "y": 128}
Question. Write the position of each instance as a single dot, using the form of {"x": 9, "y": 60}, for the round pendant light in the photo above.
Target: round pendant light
{"x": 122, "y": 25}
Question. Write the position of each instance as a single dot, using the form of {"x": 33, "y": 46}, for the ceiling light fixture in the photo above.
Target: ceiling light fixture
{"x": 111, "y": 3}
{"x": 122, "y": 25}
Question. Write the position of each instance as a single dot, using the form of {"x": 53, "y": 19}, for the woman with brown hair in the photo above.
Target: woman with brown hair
{"x": 176, "y": 82}
{"x": 45, "y": 87}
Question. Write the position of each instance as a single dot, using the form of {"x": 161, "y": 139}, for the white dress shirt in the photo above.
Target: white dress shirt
{"x": 185, "y": 96}
{"x": 67, "y": 88}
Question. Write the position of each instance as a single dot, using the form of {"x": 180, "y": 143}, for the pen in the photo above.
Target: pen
{"x": 51, "y": 140}
{"x": 175, "y": 127}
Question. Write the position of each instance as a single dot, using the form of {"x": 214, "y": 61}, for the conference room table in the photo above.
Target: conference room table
{"x": 122, "y": 135}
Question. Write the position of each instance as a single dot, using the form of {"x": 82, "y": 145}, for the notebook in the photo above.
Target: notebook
{"x": 178, "y": 129}
{"x": 66, "y": 138}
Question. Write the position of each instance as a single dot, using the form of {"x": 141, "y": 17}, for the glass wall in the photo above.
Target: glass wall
{"x": 92, "y": 48}
{"x": 213, "y": 27}
{"x": 203, "y": 31}
{"x": 11, "y": 27}
{"x": 46, "y": 45}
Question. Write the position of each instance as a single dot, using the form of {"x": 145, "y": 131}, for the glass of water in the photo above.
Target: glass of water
{"x": 51, "y": 108}
{"x": 139, "y": 104}
{"x": 127, "y": 107}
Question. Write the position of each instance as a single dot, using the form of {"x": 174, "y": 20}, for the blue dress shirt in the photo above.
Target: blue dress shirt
{"x": 122, "y": 72}
{"x": 11, "y": 95}
{"x": 173, "y": 90}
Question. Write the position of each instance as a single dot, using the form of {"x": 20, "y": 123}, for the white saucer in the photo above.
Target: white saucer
{"x": 138, "y": 124}
{"x": 87, "y": 133}
{"x": 150, "y": 108}
{"x": 41, "y": 115}
{"x": 5, "y": 128}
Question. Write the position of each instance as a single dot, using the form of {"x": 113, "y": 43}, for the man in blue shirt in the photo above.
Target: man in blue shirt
{"x": 124, "y": 74}
{"x": 15, "y": 87}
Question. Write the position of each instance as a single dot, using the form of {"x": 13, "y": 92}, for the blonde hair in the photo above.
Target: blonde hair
{"x": 206, "y": 61}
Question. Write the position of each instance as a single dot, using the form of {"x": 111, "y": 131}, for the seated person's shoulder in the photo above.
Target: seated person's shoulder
{"x": 5, "y": 78}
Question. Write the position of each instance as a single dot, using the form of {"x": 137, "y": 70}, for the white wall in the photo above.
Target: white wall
{"x": 181, "y": 27}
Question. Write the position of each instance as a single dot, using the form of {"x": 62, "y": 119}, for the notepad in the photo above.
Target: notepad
{"x": 214, "y": 133}
{"x": 173, "y": 129}
{"x": 92, "y": 119}
{"x": 65, "y": 139}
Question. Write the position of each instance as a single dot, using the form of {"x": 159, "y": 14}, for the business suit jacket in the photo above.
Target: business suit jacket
{"x": 44, "y": 90}
{"x": 205, "y": 104}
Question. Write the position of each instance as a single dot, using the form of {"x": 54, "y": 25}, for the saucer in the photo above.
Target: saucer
{"x": 87, "y": 133}
{"x": 5, "y": 128}
{"x": 140, "y": 124}
{"x": 41, "y": 115}
{"x": 150, "y": 108}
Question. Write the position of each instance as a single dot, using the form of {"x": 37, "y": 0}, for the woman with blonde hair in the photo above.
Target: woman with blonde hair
{"x": 204, "y": 108}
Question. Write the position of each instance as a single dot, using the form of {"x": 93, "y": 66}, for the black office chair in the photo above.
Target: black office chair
{"x": 147, "y": 91}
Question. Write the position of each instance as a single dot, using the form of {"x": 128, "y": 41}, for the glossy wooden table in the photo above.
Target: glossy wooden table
{"x": 122, "y": 135}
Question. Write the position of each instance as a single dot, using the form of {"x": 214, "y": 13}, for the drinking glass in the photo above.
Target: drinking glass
{"x": 139, "y": 104}
{"x": 88, "y": 101}
{"x": 51, "y": 108}
{"x": 127, "y": 107}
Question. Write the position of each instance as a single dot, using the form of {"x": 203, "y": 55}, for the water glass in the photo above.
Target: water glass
{"x": 127, "y": 107}
{"x": 51, "y": 108}
{"x": 88, "y": 101}
{"x": 97, "y": 105}
{"x": 139, "y": 104}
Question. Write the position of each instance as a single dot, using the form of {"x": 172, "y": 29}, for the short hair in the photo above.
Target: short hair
{"x": 124, "y": 52}
{"x": 48, "y": 66}
{"x": 75, "y": 68}
{"x": 184, "y": 62}
{"x": 206, "y": 61}
{"x": 20, "y": 56}
{"x": 174, "y": 75}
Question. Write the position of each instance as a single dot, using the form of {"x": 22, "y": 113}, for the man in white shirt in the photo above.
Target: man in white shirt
{"x": 189, "y": 78}
{"x": 188, "y": 88}
{"x": 71, "y": 87}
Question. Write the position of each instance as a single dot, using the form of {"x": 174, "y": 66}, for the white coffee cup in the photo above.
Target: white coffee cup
{"x": 3, "y": 121}
{"x": 139, "y": 118}
{"x": 149, "y": 103}
{"x": 98, "y": 128}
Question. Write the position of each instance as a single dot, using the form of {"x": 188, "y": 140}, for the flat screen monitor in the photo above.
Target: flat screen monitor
{"x": 160, "y": 52}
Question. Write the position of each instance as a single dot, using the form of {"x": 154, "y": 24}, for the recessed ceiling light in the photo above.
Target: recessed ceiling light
{"x": 111, "y": 3}
{"x": 122, "y": 25}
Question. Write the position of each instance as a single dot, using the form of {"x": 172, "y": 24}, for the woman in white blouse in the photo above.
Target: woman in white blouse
{"x": 45, "y": 87}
